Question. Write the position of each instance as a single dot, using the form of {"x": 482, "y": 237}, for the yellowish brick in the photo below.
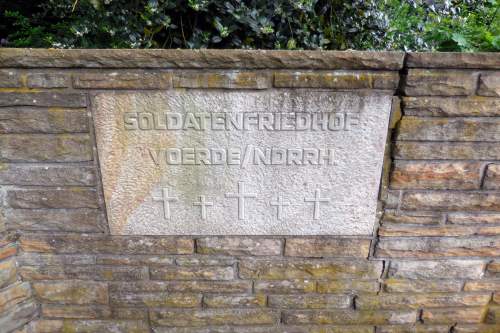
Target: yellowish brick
{"x": 224, "y": 80}
{"x": 202, "y": 318}
{"x": 469, "y": 315}
{"x": 337, "y": 80}
{"x": 420, "y": 300}
{"x": 72, "y": 292}
{"x": 228, "y": 301}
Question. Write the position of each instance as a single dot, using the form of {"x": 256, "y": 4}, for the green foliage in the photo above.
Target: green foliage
{"x": 280, "y": 24}
{"x": 470, "y": 25}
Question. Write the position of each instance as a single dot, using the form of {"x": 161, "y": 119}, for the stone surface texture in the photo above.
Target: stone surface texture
{"x": 432, "y": 263}
{"x": 134, "y": 169}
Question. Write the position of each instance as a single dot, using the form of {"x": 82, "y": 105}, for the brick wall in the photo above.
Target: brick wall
{"x": 431, "y": 266}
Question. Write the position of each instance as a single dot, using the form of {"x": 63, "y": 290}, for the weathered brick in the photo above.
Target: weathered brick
{"x": 71, "y": 311}
{"x": 285, "y": 287}
{"x": 48, "y": 80}
{"x": 46, "y": 326}
{"x": 448, "y": 129}
{"x": 77, "y": 197}
{"x": 482, "y": 285}
{"x": 417, "y": 301}
{"x": 310, "y": 269}
{"x": 7, "y": 250}
{"x": 70, "y": 220}
{"x": 23, "y": 329}
{"x": 18, "y": 315}
{"x": 489, "y": 84}
{"x": 104, "y": 244}
{"x": 268, "y": 329}
{"x": 205, "y": 261}
{"x": 436, "y": 269}
{"x": 352, "y": 286}
{"x": 213, "y": 317}
{"x": 43, "y": 120}
{"x": 409, "y": 218}
{"x": 451, "y": 201}
{"x": 478, "y": 328}
{"x": 122, "y": 80}
{"x": 7, "y": 272}
{"x": 53, "y": 175}
{"x": 72, "y": 292}
{"x": 327, "y": 247}
{"x": 492, "y": 177}
{"x": 40, "y": 259}
{"x": 221, "y": 287}
{"x": 473, "y": 218}
{"x": 436, "y": 175}
{"x": 493, "y": 269}
{"x": 239, "y": 246}
{"x": 8, "y": 243}
{"x": 156, "y": 299}
{"x": 312, "y": 301}
{"x": 134, "y": 260}
{"x": 90, "y": 326}
{"x": 419, "y": 286}
{"x": 237, "y": 301}
{"x": 349, "y": 317}
{"x": 98, "y": 273}
{"x": 412, "y": 231}
{"x": 434, "y": 247}
{"x": 45, "y": 148}
{"x": 225, "y": 80}
{"x": 14, "y": 294}
{"x": 130, "y": 313}
{"x": 468, "y": 315}
{"x": 7, "y": 238}
{"x": 192, "y": 273}
{"x": 440, "y": 82}
{"x": 451, "y": 106}
{"x": 10, "y": 78}
{"x": 210, "y": 286}
{"x": 418, "y": 150}
{"x": 50, "y": 99}
{"x": 337, "y": 80}
{"x": 413, "y": 329}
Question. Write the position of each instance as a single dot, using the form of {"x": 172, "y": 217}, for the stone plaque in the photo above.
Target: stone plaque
{"x": 222, "y": 162}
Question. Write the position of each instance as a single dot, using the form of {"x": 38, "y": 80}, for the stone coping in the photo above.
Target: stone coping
{"x": 486, "y": 60}
{"x": 170, "y": 58}
{"x": 250, "y": 59}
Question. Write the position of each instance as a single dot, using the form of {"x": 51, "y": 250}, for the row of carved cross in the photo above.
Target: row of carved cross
{"x": 242, "y": 196}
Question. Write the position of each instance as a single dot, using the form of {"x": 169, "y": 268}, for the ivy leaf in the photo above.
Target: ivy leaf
{"x": 460, "y": 39}
{"x": 291, "y": 44}
{"x": 496, "y": 42}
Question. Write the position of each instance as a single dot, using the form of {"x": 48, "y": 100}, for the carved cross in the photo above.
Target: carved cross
{"x": 166, "y": 199}
{"x": 279, "y": 203}
{"x": 241, "y": 196}
{"x": 317, "y": 200}
{"x": 203, "y": 206}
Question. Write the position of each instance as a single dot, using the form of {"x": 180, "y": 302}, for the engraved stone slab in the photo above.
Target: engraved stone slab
{"x": 221, "y": 162}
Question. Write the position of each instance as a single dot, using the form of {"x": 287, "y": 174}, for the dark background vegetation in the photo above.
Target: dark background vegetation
{"x": 446, "y": 25}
